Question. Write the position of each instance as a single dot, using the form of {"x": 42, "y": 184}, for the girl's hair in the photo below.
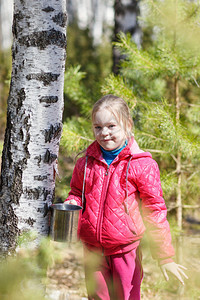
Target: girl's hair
{"x": 119, "y": 108}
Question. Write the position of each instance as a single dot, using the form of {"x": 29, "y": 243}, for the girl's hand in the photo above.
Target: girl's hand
{"x": 71, "y": 202}
{"x": 175, "y": 269}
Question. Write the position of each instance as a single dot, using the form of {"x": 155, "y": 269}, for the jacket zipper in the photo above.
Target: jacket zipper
{"x": 103, "y": 197}
{"x": 107, "y": 170}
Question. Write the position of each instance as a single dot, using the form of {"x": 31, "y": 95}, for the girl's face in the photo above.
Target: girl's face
{"x": 107, "y": 131}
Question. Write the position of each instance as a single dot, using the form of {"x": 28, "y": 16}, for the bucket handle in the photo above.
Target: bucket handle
{"x": 47, "y": 208}
{"x": 83, "y": 189}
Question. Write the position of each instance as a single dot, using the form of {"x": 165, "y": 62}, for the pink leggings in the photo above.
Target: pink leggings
{"x": 115, "y": 277}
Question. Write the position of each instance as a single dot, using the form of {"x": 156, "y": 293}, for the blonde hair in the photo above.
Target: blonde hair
{"x": 119, "y": 108}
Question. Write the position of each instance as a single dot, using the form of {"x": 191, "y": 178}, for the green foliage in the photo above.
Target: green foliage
{"x": 1, "y": 147}
{"x": 23, "y": 276}
{"x": 76, "y": 128}
{"x": 86, "y": 68}
{"x": 18, "y": 280}
{"x": 81, "y": 90}
{"x": 95, "y": 61}
{"x": 76, "y": 135}
{"x": 117, "y": 85}
{"x": 154, "y": 285}
{"x": 156, "y": 76}
{"x": 63, "y": 187}
{"x": 75, "y": 91}
{"x": 5, "y": 75}
{"x": 82, "y": 86}
{"x": 42, "y": 255}
{"x": 151, "y": 80}
{"x": 165, "y": 134}
{"x": 26, "y": 238}
{"x": 168, "y": 182}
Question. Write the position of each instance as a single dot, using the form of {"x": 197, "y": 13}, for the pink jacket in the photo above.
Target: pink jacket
{"x": 118, "y": 198}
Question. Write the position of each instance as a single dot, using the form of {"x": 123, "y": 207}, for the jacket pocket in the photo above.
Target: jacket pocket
{"x": 133, "y": 218}
{"x": 131, "y": 224}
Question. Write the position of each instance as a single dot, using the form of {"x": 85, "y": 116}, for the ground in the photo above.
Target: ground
{"x": 66, "y": 277}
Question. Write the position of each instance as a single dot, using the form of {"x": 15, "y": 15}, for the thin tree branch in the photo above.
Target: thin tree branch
{"x": 156, "y": 151}
{"x": 172, "y": 207}
{"x": 152, "y": 136}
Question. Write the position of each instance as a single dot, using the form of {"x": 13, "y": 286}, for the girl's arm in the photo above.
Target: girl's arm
{"x": 154, "y": 211}
{"x": 155, "y": 217}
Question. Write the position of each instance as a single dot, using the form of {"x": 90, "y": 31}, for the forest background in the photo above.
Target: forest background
{"x": 159, "y": 78}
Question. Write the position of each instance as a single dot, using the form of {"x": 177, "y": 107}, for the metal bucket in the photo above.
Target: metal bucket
{"x": 64, "y": 222}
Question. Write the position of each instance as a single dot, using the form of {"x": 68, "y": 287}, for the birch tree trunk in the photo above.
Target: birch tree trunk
{"x": 34, "y": 118}
{"x": 126, "y": 13}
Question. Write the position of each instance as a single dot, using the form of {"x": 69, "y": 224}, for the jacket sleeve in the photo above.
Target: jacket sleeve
{"x": 76, "y": 183}
{"x": 154, "y": 212}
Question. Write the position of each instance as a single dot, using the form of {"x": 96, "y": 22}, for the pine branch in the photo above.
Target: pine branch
{"x": 152, "y": 136}
{"x": 117, "y": 85}
{"x": 76, "y": 135}
{"x": 156, "y": 7}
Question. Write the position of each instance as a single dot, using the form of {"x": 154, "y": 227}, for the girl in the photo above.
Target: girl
{"x": 119, "y": 187}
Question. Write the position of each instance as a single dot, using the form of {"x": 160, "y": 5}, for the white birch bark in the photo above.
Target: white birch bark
{"x": 34, "y": 117}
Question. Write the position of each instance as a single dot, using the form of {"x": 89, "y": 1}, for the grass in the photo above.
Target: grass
{"x": 57, "y": 266}
{"x": 154, "y": 285}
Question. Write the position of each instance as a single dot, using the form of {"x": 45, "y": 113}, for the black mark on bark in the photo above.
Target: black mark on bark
{"x": 53, "y": 132}
{"x": 49, "y": 157}
{"x": 22, "y": 2}
{"x": 16, "y": 188}
{"x": 46, "y": 78}
{"x": 20, "y": 97}
{"x": 16, "y": 27}
{"x": 32, "y": 193}
{"x": 40, "y": 177}
{"x": 60, "y": 19}
{"x": 30, "y": 221}
{"x": 7, "y": 154}
{"x": 21, "y": 135}
{"x": 49, "y": 99}
{"x": 48, "y": 9}
{"x": 27, "y": 136}
{"x": 42, "y": 39}
{"x": 39, "y": 159}
{"x": 36, "y": 193}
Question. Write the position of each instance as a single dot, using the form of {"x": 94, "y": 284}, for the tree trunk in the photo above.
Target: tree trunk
{"x": 126, "y": 13}
{"x": 178, "y": 162}
{"x": 179, "y": 204}
{"x": 34, "y": 118}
